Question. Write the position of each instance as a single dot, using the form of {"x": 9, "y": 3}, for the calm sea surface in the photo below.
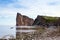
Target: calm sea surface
{"x": 7, "y": 31}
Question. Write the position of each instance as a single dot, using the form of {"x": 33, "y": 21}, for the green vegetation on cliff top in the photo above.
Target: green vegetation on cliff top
{"x": 51, "y": 19}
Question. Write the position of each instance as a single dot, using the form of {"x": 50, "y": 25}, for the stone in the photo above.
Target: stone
{"x": 22, "y": 20}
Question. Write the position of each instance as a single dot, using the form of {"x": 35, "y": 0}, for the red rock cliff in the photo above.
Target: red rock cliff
{"x": 22, "y": 20}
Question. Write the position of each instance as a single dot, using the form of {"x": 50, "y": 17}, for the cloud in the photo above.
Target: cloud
{"x": 31, "y": 8}
{"x": 54, "y": 2}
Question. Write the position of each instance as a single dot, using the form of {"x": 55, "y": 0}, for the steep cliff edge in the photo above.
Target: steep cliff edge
{"x": 40, "y": 21}
{"x": 47, "y": 21}
{"x": 22, "y": 20}
{"x": 48, "y": 27}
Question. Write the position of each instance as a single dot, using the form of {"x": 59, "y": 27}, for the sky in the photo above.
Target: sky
{"x": 30, "y": 8}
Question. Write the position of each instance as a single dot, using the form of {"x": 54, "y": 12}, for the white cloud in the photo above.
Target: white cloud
{"x": 31, "y": 8}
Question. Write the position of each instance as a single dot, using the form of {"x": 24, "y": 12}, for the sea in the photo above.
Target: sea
{"x": 7, "y": 31}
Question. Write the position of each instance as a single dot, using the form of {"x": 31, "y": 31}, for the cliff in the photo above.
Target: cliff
{"x": 47, "y": 21}
{"x": 39, "y": 21}
{"x": 48, "y": 27}
{"x": 22, "y": 20}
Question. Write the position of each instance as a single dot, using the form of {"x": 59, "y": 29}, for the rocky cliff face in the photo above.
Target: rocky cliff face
{"x": 22, "y": 20}
{"x": 43, "y": 33}
{"x": 42, "y": 21}
{"x": 39, "y": 21}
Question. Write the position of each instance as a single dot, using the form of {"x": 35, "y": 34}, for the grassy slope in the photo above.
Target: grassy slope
{"x": 50, "y": 19}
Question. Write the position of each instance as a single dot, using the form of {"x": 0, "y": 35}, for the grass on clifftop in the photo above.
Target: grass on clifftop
{"x": 51, "y": 19}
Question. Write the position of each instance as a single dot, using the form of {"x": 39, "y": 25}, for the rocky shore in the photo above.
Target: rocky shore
{"x": 49, "y": 28}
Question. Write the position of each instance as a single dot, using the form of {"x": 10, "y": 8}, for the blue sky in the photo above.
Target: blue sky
{"x": 31, "y": 8}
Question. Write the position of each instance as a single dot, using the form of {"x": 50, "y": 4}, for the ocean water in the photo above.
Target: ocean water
{"x": 28, "y": 29}
{"x": 7, "y": 31}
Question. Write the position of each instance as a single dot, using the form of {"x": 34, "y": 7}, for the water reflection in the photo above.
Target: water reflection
{"x": 27, "y": 32}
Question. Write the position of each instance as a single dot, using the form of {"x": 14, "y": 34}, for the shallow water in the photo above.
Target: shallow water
{"x": 25, "y": 31}
{"x": 31, "y": 33}
{"x": 7, "y": 31}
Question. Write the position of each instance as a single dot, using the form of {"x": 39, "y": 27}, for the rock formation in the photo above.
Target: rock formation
{"x": 22, "y": 20}
{"x": 39, "y": 21}
{"x": 43, "y": 33}
{"x": 48, "y": 21}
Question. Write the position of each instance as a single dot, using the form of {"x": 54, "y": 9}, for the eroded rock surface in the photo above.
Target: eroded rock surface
{"x": 39, "y": 21}
{"x": 22, "y": 20}
{"x": 50, "y": 33}
{"x": 47, "y": 21}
